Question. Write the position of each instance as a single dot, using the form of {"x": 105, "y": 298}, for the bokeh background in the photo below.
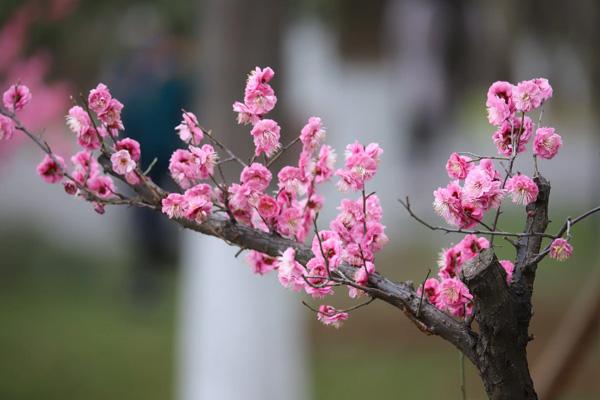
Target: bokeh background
{"x": 94, "y": 306}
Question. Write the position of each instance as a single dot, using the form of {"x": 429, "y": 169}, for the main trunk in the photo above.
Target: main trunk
{"x": 503, "y": 320}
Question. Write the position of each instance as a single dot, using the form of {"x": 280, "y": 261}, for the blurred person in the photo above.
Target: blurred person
{"x": 153, "y": 87}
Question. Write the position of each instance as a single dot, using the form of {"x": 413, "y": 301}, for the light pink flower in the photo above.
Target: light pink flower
{"x": 498, "y": 110}
{"x": 188, "y": 130}
{"x": 258, "y": 77}
{"x": 330, "y": 316}
{"x": 447, "y": 203}
{"x": 132, "y": 146}
{"x": 16, "y": 97}
{"x": 206, "y": 159}
{"x": 292, "y": 180}
{"x": 560, "y": 249}
{"x": 51, "y": 169}
{"x": 99, "y": 98}
{"x": 182, "y": 168}
{"x": 458, "y": 166}
{"x": 509, "y": 268}
{"x": 546, "y": 143}
{"x": 527, "y": 96}
{"x": 198, "y": 204}
{"x": 522, "y": 189}
{"x": 312, "y": 134}
{"x": 245, "y": 115}
{"x": 256, "y": 176}
{"x": 266, "y": 137}
{"x": 122, "y": 163}
{"x": 545, "y": 88}
{"x": 289, "y": 222}
{"x": 482, "y": 189}
{"x": 172, "y": 205}
{"x": 289, "y": 271}
{"x": 7, "y": 127}
{"x": 102, "y": 186}
{"x": 360, "y": 166}
{"x": 78, "y": 120}
{"x": 261, "y": 263}
{"x": 324, "y": 167}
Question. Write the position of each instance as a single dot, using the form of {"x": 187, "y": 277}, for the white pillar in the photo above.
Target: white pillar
{"x": 240, "y": 334}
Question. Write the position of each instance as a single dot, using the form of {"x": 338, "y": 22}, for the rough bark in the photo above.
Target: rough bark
{"x": 503, "y": 321}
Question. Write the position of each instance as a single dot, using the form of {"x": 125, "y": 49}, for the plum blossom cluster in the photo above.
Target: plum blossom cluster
{"x": 477, "y": 187}
{"x": 484, "y": 188}
{"x": 447, "y": 291}
{"x": 287, "y": 203}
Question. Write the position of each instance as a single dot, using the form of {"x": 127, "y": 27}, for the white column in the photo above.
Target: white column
{"x": 241, "y": 336}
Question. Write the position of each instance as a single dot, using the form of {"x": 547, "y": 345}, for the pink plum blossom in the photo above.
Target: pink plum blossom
{"x": 132, "y": 146}
{"x": 111, "y": 115}
{"x": 99, "y": 98}
{"x": 267, "y": 207}
{"x": 330, "y": 316}
{"x": 453, "y": 296}
{"x": 509, "y": 268}
{"x": 51, "y": 168}
{"x": 16, "y": 97}
{"x": 431, "y": 290}
{"x": 197, "y": 202}
{"x": 292, "y": 180}
{"x": 527, "y": 96}
{"x": 361, "y": 277}
{"x": 172, "y": 205}
{"x": 78, "y": 120}
{"x": 182, "y": 167}
{"x": 312, "y": 134}
{"x": 472, "y": 245}
{"x": 545, "y": 88}
{"x": 256, "y": 176}
{"x": 546, "y": 143}
{"x": 245, "y": 115}
{"x": 7, "y": 127}
{"x": 188, "y": 130}
{"x": 89, "y": 139}
{"x": 289, "y": 271}
{"x": 122, "y": 163}
{"x": 317, "y": 278}
{"x": 324, "y": 167}
{"x": 522, "y": 189}
{"x": 102, "y": 186}
{"x": 503, "y": 137}
{"x": 560, "y": 249}
{"x": 259, "y": 97}
{"x": 360, "y": 166}
{"x": 289, "y": 222}
{"x": 266, "y": 137}
{"x": 205, "y": 161}
{"x": 329, "y": 247}
{"x": 261, "y": 263}
{"x": 450, "y": 262}
{"x": 458, "y": 166}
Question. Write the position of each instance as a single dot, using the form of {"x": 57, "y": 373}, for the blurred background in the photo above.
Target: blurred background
{"x": 125, "y": 305}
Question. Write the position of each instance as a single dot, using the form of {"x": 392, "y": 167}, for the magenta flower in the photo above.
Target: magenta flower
{"x": 102, "y": 186}
{"x": 261, "y": 263}
{"x": 132, "y": 146}
{"x": 197, "y": 202}
{"x": 330, "y": 316}
{"x": 458, "y": 166}
{"x": 509, "y": 268}
{"x": 256, "y": 176}
{"x": 546, "y": 143}
{"x": 16, "y": 97}
{"x": 453, "y": 296}
{"x": 205, "y": 161}
{"x": 111, "y": 115}
{"x": 78, "y": 120}
{"x": 312, "y": 134}
{"x": 522, "y": 189}
{"x": 99, "y": 98}
{"x": 7, "y": 128}
{"x": 51, "y": 169}
{"x": 560, "y": 249}
{"x": 318, "y": 279}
